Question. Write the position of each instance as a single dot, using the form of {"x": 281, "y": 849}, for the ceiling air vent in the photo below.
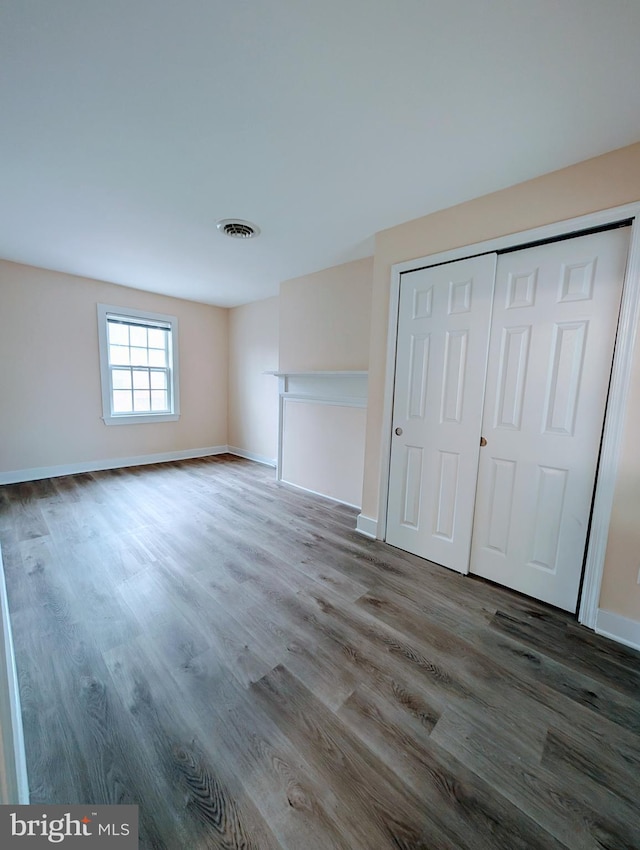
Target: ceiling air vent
{"x": 237, "y": 228}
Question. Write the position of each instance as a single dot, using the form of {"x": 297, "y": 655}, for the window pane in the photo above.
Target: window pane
{"x": 138, "y": 336}
{"x": 118, "y": 334}
{"x": 141, "y": 400}
{"x": 158, "y": 400}
{"x": 122, "y": 401}
{"x": 118, "y": 355}
{"x": 138, "y": 356}
{"x": 157, "y": 357}
{"x": 121, "y": 379}
{"x": 157, "y": 338}
{"x": 140, "y": 379}
{"x": 158, "y": 380}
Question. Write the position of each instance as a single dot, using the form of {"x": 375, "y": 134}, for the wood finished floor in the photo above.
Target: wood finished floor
{"x": 231, "y": 656}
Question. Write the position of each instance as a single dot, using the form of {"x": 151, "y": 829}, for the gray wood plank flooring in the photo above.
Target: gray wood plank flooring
{"x": 232, "y": 657}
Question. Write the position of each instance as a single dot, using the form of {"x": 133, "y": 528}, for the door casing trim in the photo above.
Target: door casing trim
{"x": 618, "y": 393}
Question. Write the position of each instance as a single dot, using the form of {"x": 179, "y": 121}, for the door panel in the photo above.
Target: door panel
{"x": 412, "y": 486}
{"x": 455, "y": 375}
{"x": 514, "y": 355}
{"x": 443, "y": 337}
{"x": 500, "y": 496}
{"x": 553, "y": 332}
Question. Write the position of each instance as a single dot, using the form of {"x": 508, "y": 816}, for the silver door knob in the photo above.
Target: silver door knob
{"x": 483, "y": 441}
{"x": 399, "y": 432}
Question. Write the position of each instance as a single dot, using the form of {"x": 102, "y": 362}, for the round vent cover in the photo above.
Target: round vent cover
{"x": 237, "y": 228}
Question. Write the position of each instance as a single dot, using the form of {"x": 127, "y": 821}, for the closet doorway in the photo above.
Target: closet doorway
{"x": 502, "y": 371}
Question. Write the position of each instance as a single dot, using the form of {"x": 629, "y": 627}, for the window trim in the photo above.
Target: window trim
{"x": 108, "y": 416}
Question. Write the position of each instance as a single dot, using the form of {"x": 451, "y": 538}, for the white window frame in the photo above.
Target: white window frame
{"x": 108, "y": 416}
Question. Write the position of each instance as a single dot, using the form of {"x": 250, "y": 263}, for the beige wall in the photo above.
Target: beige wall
{"x": 620, "y": 584}
{"x": 253, "y": 396}
{"x": 599, "y": 183}
{"x": 324, "y": 449}
{"x": 50, "y": 399}
{"x": 325, "y": 319}
{"x": 324, "y": 326}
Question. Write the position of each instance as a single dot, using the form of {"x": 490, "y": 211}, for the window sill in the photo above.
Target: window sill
{"x": 140, "y": 419}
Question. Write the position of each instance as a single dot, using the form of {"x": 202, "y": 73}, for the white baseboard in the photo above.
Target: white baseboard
{"x": 316, "y": 493}
{"x": 14, "y": 783}
{"x": 267, "y": 461}
{"x": 615, "y": 626}
{"x": 35, "y": 473}
{"x": 367, "y": 526}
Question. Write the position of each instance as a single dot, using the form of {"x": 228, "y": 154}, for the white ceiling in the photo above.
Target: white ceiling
{"x": 129, "y": 127}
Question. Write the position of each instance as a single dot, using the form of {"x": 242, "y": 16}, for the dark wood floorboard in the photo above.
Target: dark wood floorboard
{"x": 231, "y": 656}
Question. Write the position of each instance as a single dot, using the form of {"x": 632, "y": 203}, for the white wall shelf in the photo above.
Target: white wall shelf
{"x": 344, "y": 388}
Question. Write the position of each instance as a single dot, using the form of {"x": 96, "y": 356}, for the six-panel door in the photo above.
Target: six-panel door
{"x": 443, "y": 337}
{"x": 553, "y": 331}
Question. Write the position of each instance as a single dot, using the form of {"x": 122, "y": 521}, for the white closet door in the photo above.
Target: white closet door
{"x": 552, "y": 338}
{"x": 443, "y": 337}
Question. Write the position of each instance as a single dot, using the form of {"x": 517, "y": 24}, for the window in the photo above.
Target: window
{"x": 138, "y": 365}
